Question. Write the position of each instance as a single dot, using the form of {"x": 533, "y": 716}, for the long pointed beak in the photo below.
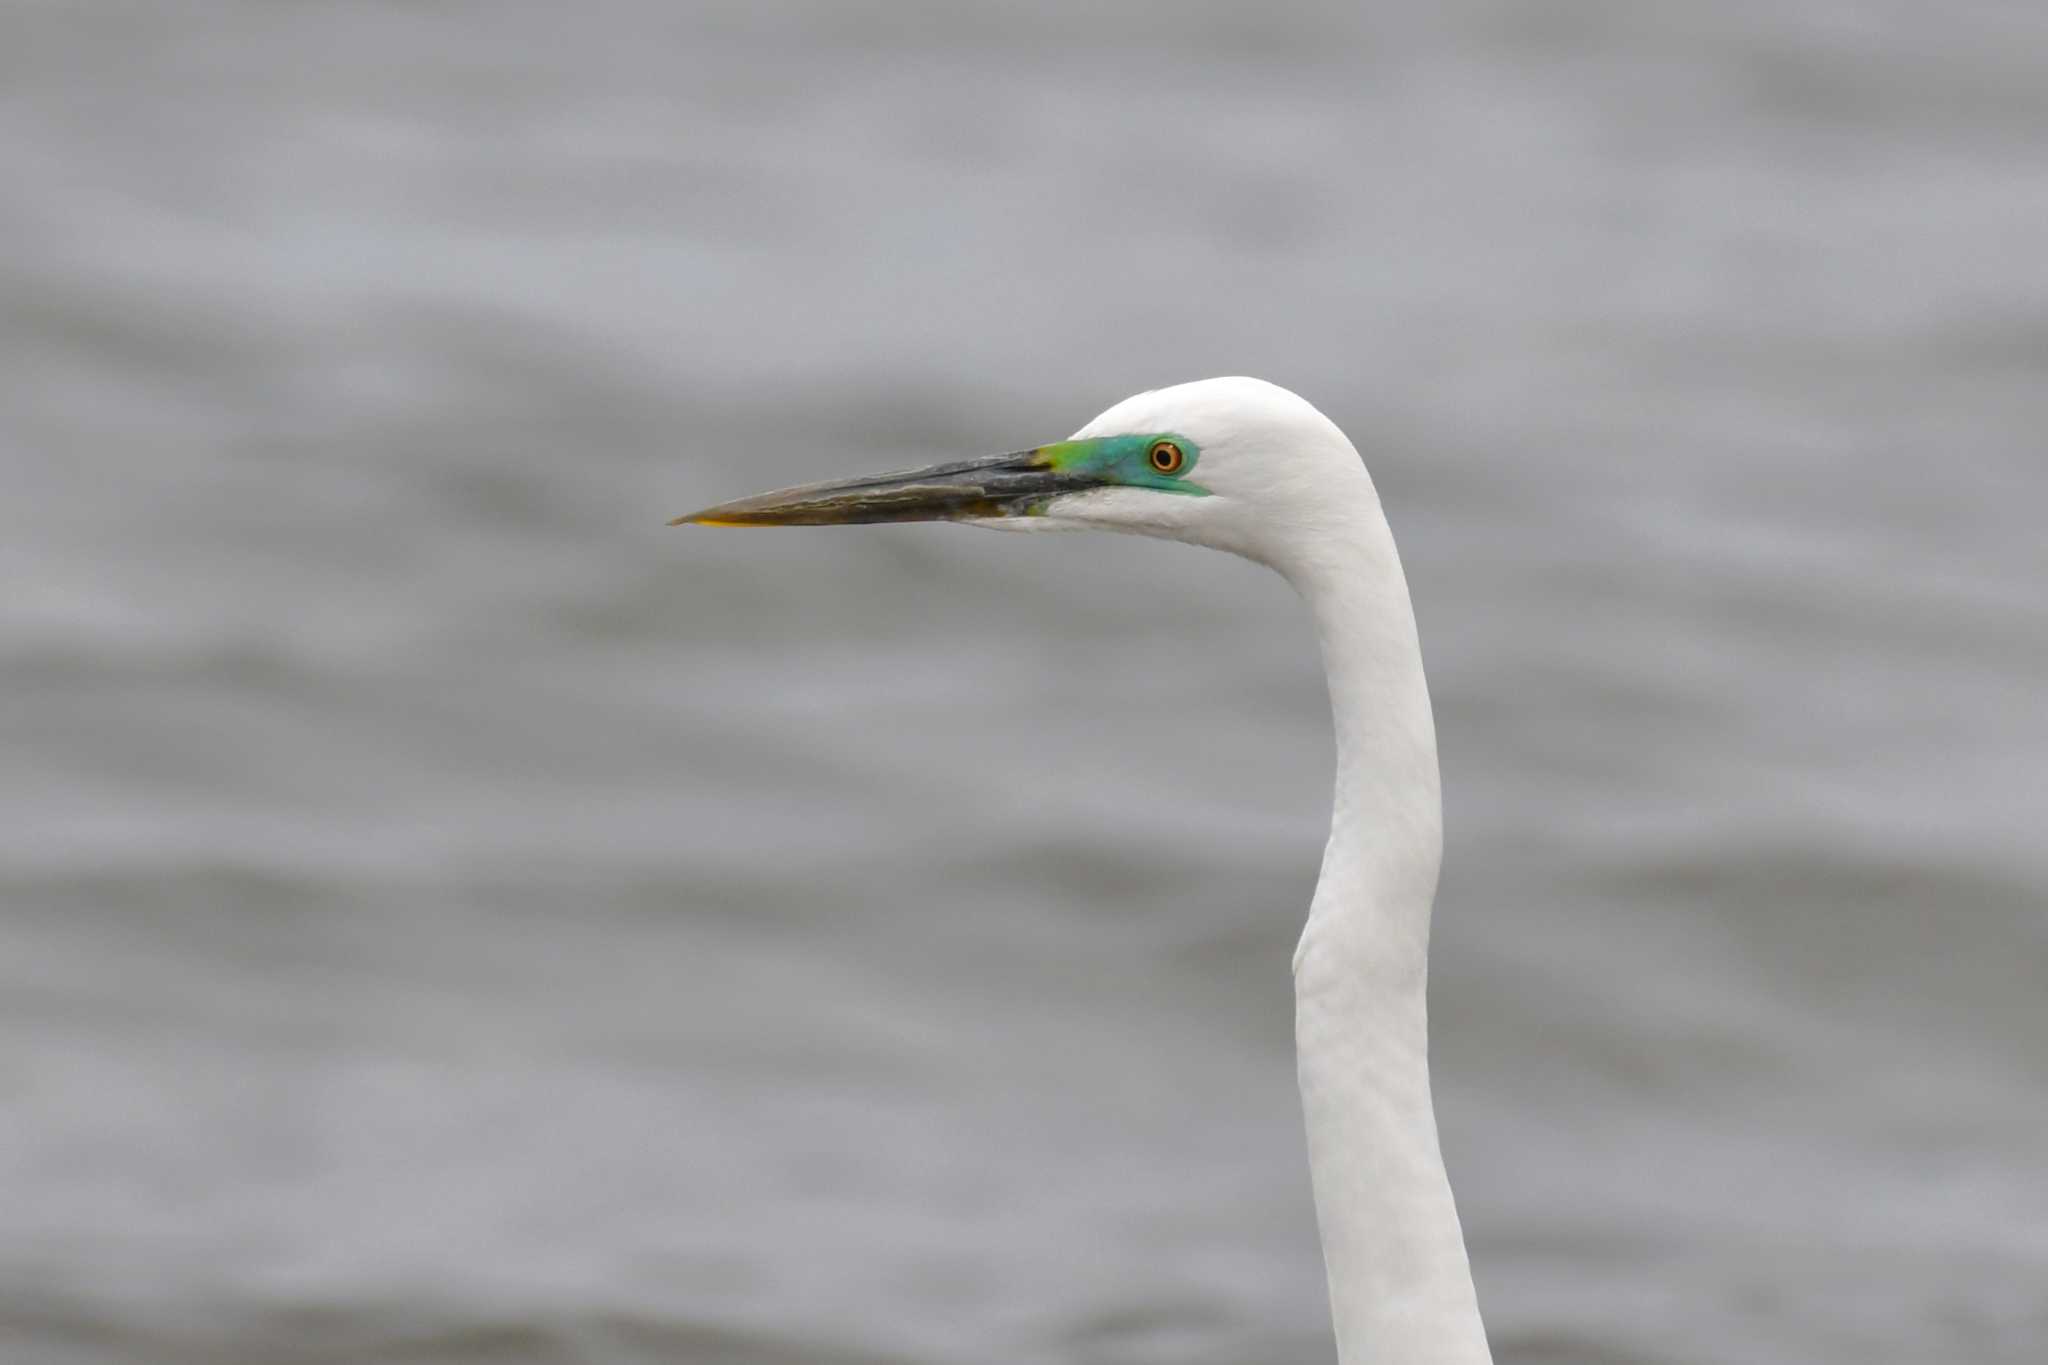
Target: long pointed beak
{"x": 999, "y": 486}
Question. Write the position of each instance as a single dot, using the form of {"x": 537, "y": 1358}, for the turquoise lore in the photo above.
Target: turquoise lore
{"x": 1160, "y": 460}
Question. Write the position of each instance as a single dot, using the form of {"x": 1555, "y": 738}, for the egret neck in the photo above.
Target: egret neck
{"x": 1400, "y": 1285}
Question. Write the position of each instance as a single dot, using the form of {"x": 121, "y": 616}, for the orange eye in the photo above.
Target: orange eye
{"x": 1167, "y": 457}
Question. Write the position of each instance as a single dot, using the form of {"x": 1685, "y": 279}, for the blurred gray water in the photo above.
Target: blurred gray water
{"x": 450, "y": 918}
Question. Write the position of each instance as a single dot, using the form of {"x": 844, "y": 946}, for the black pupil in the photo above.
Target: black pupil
{"x": 1165, "y": 456}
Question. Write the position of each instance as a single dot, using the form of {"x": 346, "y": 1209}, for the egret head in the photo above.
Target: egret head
{"x": 1237, "y": 464}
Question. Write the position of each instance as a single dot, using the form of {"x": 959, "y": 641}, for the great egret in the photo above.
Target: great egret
{"x": 1246, "y": 466}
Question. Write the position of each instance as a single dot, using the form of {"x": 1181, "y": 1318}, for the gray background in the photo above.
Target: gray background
{"x": 450, "y": 918}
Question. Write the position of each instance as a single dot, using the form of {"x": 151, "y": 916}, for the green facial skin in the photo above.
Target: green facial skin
{"x": 1125, "y": 460}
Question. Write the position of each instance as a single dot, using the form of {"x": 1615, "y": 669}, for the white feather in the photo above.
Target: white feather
{"x": 1290, "y": 491}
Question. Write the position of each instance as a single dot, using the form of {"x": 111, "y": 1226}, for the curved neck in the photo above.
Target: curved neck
{"x": 1400, "y": 1286}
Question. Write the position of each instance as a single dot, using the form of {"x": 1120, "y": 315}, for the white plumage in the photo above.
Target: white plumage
{"x": 1276, "y": 482}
